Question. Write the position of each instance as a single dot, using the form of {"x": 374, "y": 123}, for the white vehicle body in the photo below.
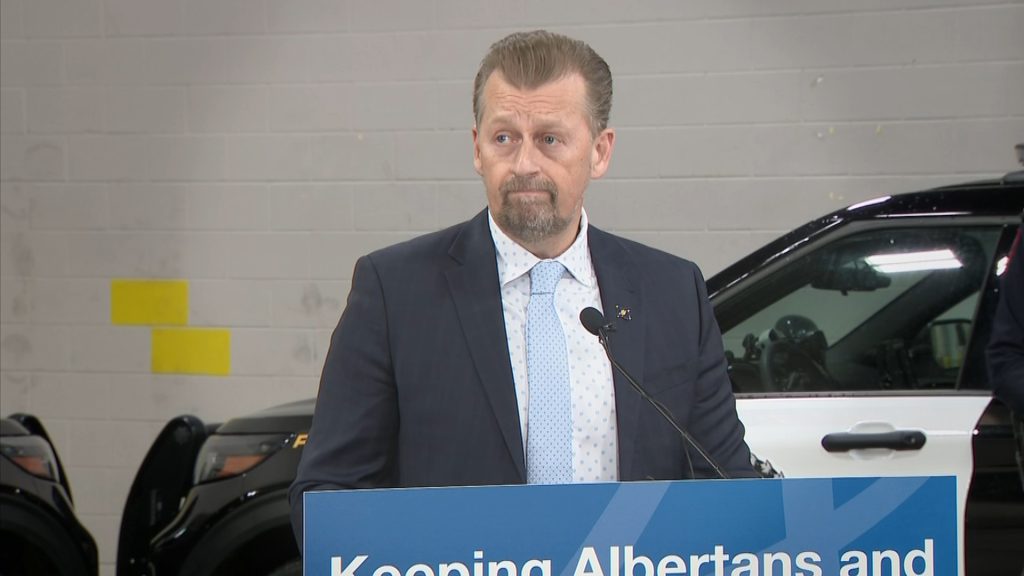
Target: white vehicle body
{"x": 789, "y": 432}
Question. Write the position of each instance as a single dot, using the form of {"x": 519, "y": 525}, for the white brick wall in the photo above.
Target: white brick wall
{"x": 257, "y": 148}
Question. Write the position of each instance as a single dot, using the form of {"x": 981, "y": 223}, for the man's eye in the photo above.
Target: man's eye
{"x": 549, "y": 140}
{"x": 502, "y": 139}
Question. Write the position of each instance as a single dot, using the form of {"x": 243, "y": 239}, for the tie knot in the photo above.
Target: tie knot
{"x": 545, "y": 276}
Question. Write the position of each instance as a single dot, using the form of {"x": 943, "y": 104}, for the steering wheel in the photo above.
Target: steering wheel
{"x": 787, "y": 364}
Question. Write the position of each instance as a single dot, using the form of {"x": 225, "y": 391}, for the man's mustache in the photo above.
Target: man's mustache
{"x": 528, "y": 183}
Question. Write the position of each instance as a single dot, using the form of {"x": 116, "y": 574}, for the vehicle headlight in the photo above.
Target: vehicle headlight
{"x": 233, "y": 454}
{"x": 33, "y": 454}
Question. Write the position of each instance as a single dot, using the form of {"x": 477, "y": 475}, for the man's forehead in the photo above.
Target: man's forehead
{"x": 555, "y": 98}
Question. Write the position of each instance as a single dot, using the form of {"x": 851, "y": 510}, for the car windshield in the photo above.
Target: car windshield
{"x": 878, "y": 309}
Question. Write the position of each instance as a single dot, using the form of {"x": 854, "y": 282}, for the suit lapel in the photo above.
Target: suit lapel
{"x": 621, "y": 289}
{"x": 477, "y": 296}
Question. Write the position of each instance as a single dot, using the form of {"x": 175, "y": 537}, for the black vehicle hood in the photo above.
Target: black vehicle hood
{"x": 286, "y": 418}
{"x": 10, "y": 427}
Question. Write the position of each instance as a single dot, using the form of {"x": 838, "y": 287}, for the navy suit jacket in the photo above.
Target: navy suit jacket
{"x": 417, "y": 388}
{"x": 1006, "y": 344}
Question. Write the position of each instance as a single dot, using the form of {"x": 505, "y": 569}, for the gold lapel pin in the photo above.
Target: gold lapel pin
{"x": 623, "y": 313}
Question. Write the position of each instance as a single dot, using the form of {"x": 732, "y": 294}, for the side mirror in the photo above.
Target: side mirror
{"x": 949, "y": 342}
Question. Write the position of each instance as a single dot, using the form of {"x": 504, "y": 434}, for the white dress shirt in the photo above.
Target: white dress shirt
{"x": 594, "y": 436}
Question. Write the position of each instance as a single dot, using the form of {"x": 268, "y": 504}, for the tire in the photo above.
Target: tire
{"x": 34, "y": 542}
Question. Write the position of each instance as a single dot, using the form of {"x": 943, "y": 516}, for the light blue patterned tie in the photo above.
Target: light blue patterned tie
{"x": 549, "y": 434}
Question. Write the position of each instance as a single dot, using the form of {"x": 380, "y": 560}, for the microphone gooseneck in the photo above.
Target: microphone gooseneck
{"x": 593, "y": 320}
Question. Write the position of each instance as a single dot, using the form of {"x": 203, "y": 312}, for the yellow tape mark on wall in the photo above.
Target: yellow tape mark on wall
{"x": 149, "y": 302}
{"x": 192, "y": 351}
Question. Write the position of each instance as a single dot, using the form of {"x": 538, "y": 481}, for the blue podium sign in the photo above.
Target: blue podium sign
{"x": 788, "y": 527}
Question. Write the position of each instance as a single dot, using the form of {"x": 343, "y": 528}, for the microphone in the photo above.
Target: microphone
{"x": 593, "y": 320}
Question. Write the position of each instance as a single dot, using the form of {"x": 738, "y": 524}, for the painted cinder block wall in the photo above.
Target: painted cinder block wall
{"x": 252, "y": 149}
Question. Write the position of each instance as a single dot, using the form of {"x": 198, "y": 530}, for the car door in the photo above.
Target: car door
{"x": 846, "y": 357}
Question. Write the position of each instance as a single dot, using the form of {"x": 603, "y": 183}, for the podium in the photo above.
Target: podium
{"x": 782, "y": 527}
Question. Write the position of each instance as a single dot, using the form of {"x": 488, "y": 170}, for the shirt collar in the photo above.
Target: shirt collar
{"x": 514, "y": 260}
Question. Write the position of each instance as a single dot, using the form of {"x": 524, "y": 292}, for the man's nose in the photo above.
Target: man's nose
{"x": 526, "y": 158}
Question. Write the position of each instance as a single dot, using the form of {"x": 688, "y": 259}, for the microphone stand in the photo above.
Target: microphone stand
{"x": 603, "y": 332}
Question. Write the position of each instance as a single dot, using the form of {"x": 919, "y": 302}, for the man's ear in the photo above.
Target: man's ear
{"x": 601, "y": 154}
{"x": 476, "y": 151}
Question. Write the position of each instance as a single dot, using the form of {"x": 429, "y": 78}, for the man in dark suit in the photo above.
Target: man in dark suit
{"x": 1006, "y": 345}
{"x": 447, "y": 369}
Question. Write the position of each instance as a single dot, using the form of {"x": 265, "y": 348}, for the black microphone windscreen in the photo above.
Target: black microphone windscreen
{"x": 592, "y": 320}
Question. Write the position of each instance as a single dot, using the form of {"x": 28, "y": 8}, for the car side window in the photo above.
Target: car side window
{"x": 877, "y": 310}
